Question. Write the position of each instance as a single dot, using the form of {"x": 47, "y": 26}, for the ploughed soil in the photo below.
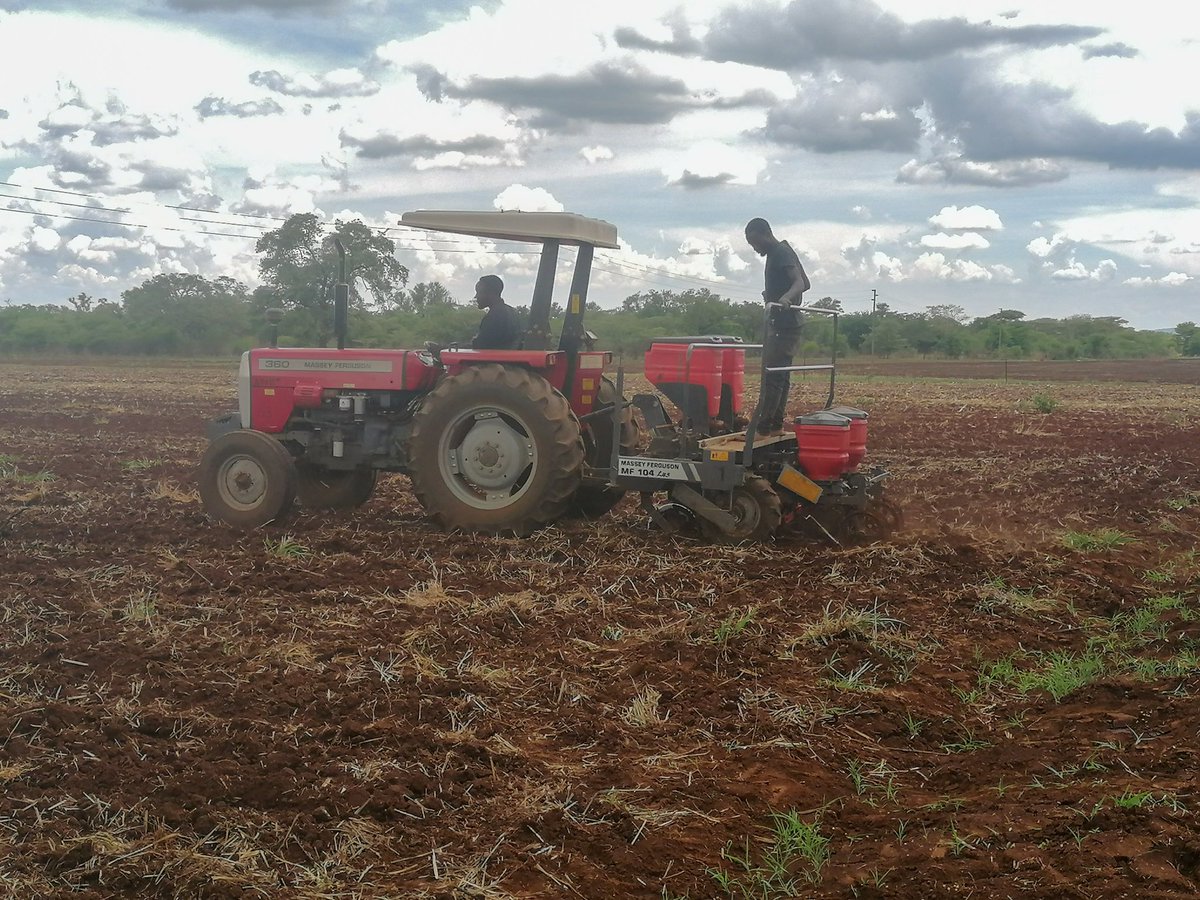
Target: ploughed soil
{"x": 998, "y": 700}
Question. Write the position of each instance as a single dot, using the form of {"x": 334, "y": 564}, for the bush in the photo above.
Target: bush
{"x": 1044, "y": 403}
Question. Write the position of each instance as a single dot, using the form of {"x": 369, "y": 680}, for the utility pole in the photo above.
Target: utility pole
{"x": 874, "y": 297}
{"x": 1000, "y": 339}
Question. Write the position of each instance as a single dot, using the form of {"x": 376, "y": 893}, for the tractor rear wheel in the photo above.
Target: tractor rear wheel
{"x": 495, "y": 449}
{"x": 758, "y": 512}
{"x": 592, "y": 502}
{"x": 319, "y": 488}
{"x": 247, "y": 479}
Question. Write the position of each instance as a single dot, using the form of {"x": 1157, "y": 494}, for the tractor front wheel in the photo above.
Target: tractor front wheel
{"x": 247, "y": 479}
{"x": 495, "y": 449}
{"x": 757, "y": 510}
{"x": 319, "y": 488}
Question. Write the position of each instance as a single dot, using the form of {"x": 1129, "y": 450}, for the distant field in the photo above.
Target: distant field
{"x": 1166, "y": 371}
{"x": 998, "y": 701}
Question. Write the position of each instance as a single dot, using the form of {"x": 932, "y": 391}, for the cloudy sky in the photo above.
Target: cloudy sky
{"x": 1044, "y": 157}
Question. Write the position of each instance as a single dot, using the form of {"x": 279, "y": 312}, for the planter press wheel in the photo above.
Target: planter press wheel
{"x": 758, "y": 512}
{"x": 593, "y": 502}
{"x": 319, "y": 488}
{"x": 247, "y": 479}
{"x": 495, "y": 449}
{"x": 892, "y": 515}
{"x": 877, "y": 522}
{"x": 864, "y": 526}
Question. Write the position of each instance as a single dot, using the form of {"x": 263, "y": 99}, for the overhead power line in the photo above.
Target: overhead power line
{"x": 26, "y": 187}
{"x": 122, "y": 211}
{"x": 28, "y": 212}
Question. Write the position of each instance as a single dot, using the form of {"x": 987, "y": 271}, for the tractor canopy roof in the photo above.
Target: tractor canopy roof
{"x": 564, "y": 227}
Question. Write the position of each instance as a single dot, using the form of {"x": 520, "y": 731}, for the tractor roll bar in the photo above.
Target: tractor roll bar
{"x": 341, "y": 296}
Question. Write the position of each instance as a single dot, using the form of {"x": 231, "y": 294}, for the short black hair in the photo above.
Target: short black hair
{"x": 494, "y": 282}
{"x": 758, "y": 226}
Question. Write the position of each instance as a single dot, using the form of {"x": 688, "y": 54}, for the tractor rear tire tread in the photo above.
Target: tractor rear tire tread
{"x": 563, "y": 455}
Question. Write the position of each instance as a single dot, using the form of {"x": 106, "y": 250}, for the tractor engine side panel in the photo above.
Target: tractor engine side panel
{"x": 281, "y": 380}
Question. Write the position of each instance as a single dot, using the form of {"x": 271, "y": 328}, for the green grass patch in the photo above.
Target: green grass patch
{"x": 1145, "y": 800}
{"x": 795, "y": 854}
{"x": 733, "y": 626}
{"x": 1102, "y": 540}
{"x": 1044, "y": 403}
{"x": 866, "y": 623}
{"x": 287, "y": 547}
{"x": 1130, "y": 643}
{"x": 1059, "y": 673}
{"x": 849, "y": 680}
{"x": 139, "y": 465}
{"x": 1187, "y": 501}
{"x": 996, "y": 594}
{"x": 873, "y": 783}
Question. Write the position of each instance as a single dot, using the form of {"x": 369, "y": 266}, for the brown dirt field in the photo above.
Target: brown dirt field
{"x": 972, "y": 707}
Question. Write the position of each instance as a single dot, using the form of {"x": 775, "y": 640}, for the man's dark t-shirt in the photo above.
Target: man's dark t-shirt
{"x": 498, "y": 330}
{"x": 780, "y": 258}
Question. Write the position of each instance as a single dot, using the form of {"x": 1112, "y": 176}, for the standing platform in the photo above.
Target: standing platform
{"x": 736, "y": 442}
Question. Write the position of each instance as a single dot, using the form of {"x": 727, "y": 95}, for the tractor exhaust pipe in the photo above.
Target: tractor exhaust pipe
{"x": 341, "y": 297}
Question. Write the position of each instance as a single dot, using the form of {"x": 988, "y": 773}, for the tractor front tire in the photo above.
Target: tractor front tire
{"x": 592, "y": 502}
{"x": 247, "y": 479}
{"x": 495, "y": 449}
{"x": 319, "y": 488}
{"x": 758, "y": 512}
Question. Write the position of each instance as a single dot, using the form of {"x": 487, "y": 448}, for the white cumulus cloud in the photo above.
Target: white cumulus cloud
{"x": 936, "y": 265}
{"x": 598, "y": 153}
{"x": 968, "y": 241}
{"x": 44, "y": 239}
{"x": 967, "y": 218}
{"x": 518, "y": 197}
{"x": 1043, "y": 248}
{"x": 1074, "y": 270}
{"x": 1171, "y": 279}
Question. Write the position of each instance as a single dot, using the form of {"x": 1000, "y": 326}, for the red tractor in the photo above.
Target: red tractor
{"x": 508, "y": 441}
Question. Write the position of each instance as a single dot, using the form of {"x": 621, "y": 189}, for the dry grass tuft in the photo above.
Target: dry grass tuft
{"x": 425, "y": 594}
{"x": 643, "y": 711}
{"x": 12, "y": 771}
{"x": 166, "y": 489}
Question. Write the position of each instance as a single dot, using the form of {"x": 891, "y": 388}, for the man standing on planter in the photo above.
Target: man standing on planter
{"x": 785, "y": 282}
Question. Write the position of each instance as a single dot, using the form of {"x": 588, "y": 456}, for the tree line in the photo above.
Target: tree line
{"x": 181, "y": 314}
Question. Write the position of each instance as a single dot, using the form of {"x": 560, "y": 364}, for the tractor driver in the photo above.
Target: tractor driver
{"x": 786, "y": 283}
{"x": 499, "y": 329}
